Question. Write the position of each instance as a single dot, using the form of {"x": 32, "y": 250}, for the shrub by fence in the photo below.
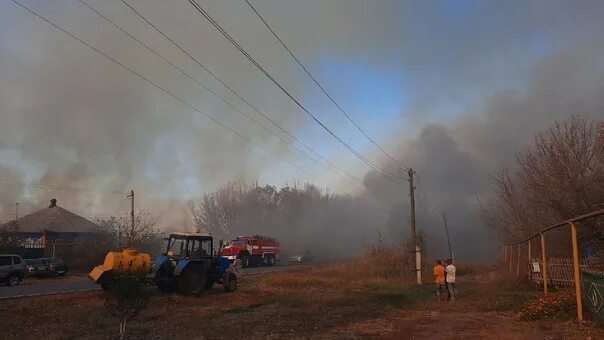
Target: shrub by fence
{"x": 554, "y": 271}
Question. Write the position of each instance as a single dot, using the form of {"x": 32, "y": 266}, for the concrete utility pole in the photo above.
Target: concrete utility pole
{"x": 418, "y": 252}
{"x": 448, "y": 238}
{"x": 16, "y": 212}
{"x": 131, "y": 196}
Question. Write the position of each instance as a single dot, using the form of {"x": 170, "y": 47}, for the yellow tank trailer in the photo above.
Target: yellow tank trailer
{"x": 128, "y": 263}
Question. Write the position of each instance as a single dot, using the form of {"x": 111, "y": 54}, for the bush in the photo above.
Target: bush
{"x": 126, "y": 299}
{"x": 387, "y": 262}
{"x": 559, "y": 306}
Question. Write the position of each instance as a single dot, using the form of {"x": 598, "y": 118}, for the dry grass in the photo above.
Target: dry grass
{"x": 379, "y": 267}
{"x": 336, "y": 301}
{"x": 329, "y": 301}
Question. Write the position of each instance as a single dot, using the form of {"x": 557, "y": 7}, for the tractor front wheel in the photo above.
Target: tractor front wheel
{"x": 209, "y": 285}
{"x": 230, "y": 282}
{"x": 166, "y": 286}
{"x": 192, "y": 280}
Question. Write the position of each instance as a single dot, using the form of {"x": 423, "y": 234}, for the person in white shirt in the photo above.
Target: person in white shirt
{"x": 450, "y": 270}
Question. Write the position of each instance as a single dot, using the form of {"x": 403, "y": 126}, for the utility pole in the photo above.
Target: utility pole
{"x": 131, "y": 196}
{"x": 16, "y": 213}
{"x": 418, "y": 252}
{"x": 448, "y": 238}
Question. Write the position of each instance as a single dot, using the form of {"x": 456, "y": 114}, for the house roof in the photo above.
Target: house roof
{"x": 54, "y": 219}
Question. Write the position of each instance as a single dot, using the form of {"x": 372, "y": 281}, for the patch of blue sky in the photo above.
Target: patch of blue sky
{"x": 458, "y": 9}
{"x": 374, "y": 96}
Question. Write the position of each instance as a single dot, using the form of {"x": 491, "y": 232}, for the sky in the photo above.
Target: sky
{"x": 453, "y": 89}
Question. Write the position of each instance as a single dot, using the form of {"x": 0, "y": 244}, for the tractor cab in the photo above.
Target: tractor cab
{"x": 190, "y": 265}
{"x": 190, "y": 246}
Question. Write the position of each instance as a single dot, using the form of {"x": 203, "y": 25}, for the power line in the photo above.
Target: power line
{"x": 60, "y": 188}
{"x": 140, "y": 76}
{"x": 205, "y": 14}
{"x": 323, "y": 89}
{"x": 216, "y": 94}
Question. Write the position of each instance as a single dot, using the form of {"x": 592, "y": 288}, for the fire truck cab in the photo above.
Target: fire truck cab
{"x": 252, "y": 250}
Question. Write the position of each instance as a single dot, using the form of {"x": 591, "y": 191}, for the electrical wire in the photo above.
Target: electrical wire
{"x": 94, "y": 10}
{"x": 403, "y": 167}
{"x": 206, "y": 15}
{"x": 59, "y": 188}
{"x": 140, "y": 76}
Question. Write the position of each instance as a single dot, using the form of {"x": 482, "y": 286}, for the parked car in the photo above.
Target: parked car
{"x": 35, "y": 267}
{"x": 306, "y": 257}
{"x": 12, "y": 269}
{"x": 56, "y": 265}
{"x": 46, "y": 266}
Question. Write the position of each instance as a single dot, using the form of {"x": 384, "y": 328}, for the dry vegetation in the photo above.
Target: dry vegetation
{"x": 335, "y": 301}
{"x": 559, "y": 176}
{"x": 331, "y": 301}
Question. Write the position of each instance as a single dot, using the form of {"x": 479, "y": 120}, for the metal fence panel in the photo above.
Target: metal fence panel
{"x": 560, "y": 270}
{"x": 593, "y": 293}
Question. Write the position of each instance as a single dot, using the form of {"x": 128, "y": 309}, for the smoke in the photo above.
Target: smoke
{"x": 454, "y": 160}
{"x": 475, "y": 81}
{"x": 72, "y": 118}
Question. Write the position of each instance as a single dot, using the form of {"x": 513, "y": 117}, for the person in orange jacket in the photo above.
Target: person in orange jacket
{"x": 439, "y": 280}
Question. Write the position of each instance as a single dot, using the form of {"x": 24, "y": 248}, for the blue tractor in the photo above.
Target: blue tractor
{"x": 190, "y": 265}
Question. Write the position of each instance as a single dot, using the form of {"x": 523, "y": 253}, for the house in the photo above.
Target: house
{"x": 43, "y": 229}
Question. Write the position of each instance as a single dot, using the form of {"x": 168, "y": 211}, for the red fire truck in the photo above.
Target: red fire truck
{"x": 252, "y": 250}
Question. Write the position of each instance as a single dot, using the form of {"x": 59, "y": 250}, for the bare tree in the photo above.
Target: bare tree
{"x": 7, "y": 235}
{"x": 560, "y": 175}
{"x": 299, "y": 215}
{"x": 144, "y": 235}
{"x": 219, "y": 211}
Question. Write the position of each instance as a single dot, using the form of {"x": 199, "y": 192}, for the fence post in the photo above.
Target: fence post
{"x": 544, "y": 264}
{"x": 573, "y": 231}
{"x": 518, "y": 262}
{"x": 511, "y": 258}
{"x": 530, "y": 260}
{"x": 505, "y": 254}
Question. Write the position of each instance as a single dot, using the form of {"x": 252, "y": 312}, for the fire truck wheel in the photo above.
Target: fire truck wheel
{"x": 270, "y": 260}
{"x": 245, "y": 261}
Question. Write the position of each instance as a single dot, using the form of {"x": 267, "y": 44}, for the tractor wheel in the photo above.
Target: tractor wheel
{"x": 105, "y": 286}
{"x": 192, "y": 280}
{"x": 167, "y": 286}
{"x": 209, "y": 285}
{"x": 230, "y": 284}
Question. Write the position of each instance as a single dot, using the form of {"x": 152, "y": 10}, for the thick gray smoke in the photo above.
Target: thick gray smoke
{"x": 455, "y": 160}
{"x": 476, "y": 80}
{"x": 72, "y": 118}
